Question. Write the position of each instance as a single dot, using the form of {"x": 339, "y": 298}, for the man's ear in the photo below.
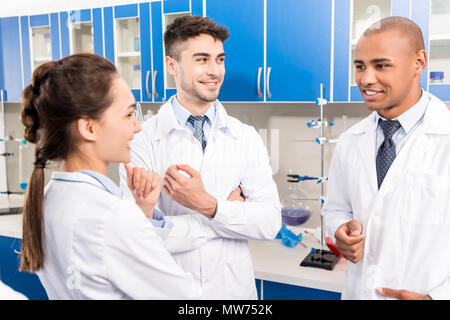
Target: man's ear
{"x": 421, "y": 61}
{"x": 87, "y": 129}
{"x": 171, "y": 65}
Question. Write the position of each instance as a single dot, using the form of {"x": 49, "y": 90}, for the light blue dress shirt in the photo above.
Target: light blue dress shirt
{"x": 409, "y": 120}
{"x": 182, "y": 115}
{"x": 112, "y": 188}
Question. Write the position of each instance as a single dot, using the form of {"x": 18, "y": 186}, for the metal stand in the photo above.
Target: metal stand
{"x": 321, "y": 258}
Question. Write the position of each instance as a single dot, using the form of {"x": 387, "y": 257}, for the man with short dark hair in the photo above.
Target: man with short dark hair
{"x": 207, "y": 158}
{"x": 388, "y": 192}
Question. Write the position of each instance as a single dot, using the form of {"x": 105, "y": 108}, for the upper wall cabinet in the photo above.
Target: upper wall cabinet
{"x": 81, "y": 32}
{"x": 298, "y": 49}
{"x": 244, "y": 63}
{"x": 439, "y": 49}
{"x": 10, "y": 67}
{"x": 277, "y": 51}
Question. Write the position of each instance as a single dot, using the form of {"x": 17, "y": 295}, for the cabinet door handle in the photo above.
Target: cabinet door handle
{"x": 146, "y": 84}
{"x": 269, "y": 95}
{"x": 155, "y": 94}
{"x": 259, "y": 82}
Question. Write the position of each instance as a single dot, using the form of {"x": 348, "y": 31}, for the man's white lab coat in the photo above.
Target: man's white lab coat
{"x": 234, "y": 156}
{"x": 407, "y": 221}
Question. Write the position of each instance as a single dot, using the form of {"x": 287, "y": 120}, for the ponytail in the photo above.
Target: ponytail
{"x": 32, "y": 227}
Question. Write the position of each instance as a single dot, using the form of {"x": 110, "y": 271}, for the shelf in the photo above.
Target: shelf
{"x": 129, "y": 54}
{"x": 42, "y": 59}
{"x": 439, "y": 37}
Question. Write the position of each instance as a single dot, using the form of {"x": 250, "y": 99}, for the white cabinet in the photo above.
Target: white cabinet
{"x": 439, "y": 53}
{"x": 41, "y": 46}
{"x": 128, "y": 51}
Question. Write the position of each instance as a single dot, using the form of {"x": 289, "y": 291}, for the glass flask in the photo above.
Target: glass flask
{"x": 294, "y": 211}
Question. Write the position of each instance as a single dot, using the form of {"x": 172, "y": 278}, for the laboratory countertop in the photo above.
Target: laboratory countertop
{"x": 275, "y": 262}
{"x": 271, "y": 260}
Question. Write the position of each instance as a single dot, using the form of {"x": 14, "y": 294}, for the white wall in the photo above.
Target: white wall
{"x": 10, "y": 8}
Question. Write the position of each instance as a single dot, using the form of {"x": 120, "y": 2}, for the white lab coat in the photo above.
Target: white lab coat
{"x": 99, "y": 246}
{"x": 234, "y": 156}
{"x": 7, "y": 293}
{"x": 407, "y": 221}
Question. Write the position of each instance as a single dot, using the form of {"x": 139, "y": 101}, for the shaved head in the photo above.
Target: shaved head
{"x": 404, "y": 26}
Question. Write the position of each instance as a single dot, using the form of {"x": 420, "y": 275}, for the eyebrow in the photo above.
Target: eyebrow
{"x": 204, "y": 54}
{"x": 133, "y": 106}
{"x": 378, "y": 60}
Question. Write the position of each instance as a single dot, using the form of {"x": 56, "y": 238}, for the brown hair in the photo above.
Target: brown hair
{"x": 187, "y": 27}
{"x": 405, "y": 26}
{"x": 60, "y": 93}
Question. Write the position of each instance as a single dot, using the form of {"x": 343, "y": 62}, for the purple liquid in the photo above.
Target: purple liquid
{"x": 295, "y": 217}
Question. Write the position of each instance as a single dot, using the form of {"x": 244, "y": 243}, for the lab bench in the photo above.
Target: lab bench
{"x": 277, "y": 270}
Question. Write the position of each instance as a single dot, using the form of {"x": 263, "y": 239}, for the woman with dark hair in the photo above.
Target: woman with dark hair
{"x": 81, "y": 238}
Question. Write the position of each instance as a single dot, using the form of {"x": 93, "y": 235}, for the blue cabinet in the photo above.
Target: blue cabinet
{"x": 298, "y": 49}
{"x": 23, "y": 282}
{"x": 269, "y": 290}
{"x": 277, "y": 51}
{"x": 244, "y": 62}
{"x": 11, "y": 71}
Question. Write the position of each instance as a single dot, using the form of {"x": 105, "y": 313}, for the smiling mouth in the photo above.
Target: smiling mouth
{"x": 371, "y": 94}
{"x": 210, "y": 84}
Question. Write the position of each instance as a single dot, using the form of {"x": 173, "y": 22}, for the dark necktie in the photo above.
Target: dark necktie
{"x": 386, "y": 152}
{"x": 197, "y": 123}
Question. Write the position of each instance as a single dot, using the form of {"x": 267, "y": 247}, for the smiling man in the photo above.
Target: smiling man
{"x": 207, "y": 159}
{"x": 388, "y": 192}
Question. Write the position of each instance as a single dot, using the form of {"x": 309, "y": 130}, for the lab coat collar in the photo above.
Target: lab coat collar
{"x": 90, "y": 177}
{"x": 167, "y": 122}
{"x": 436, "y": 119}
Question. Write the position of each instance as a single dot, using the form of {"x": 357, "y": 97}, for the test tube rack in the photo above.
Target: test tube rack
{"x": 319, "y": 258}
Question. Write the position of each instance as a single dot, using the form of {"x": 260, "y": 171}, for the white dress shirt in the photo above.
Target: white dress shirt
{"x": 234, "y": 156}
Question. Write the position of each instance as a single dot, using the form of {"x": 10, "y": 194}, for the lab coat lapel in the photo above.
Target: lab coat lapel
{"x": 416, "y": 148}
{"x": 366, "y": 149}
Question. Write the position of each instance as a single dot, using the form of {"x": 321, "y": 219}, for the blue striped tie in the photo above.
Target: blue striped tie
{"x": 386, "y": 152}
{"x": 197, "y": 122}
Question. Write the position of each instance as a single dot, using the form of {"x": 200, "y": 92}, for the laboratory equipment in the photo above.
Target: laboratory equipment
{"x": 437, "y": 76}
{"x": 148, "y": 115}
{"x": 320, "y": 258}
{"x": 25, "y": 154}
{"x": 288, "y": 238}
{"x": 294, "y": 211}
{"x": 138, "y": 113}
{"x": 319, "y": 123}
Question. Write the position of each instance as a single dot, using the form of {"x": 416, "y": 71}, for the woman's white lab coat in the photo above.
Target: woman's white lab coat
{"x": 7, "y": 293}
{"x": 407, "y": 221}
{"x": 99, "y": 246}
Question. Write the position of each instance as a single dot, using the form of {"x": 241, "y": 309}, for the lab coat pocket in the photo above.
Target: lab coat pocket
{"x": 425, "y": 198}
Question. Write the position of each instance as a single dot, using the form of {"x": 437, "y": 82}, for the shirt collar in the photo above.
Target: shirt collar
{"x": 410, "y": 117}
{"x": 167, "y": 120}
{"x": 182, "y": 114}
